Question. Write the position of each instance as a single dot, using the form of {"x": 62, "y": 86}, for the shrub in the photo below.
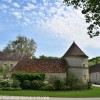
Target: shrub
{"x": 48, "y": 87}
{"x": 89, "y": 84}
{"x": 26, "y": 84}
{"x": 58, "y": 84}
{"x": 79, "y": 86}
{"x": 36, "y": 85}
{"x": 28, "y": 76}
{"x": 15, "y": 84}
{"x": 6, "y": 83}
{"x": 70, "y": 81}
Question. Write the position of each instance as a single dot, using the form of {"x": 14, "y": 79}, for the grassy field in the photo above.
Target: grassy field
{"x": 93, "y": 92}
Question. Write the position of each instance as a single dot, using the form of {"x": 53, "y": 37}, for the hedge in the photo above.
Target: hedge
{"x": 28, "y": 76}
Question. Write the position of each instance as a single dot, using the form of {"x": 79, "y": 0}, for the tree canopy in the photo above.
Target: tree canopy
{"x": 21, "y": 44}
{"x": 47, "y": 57}
{"x": 91, "y": 10}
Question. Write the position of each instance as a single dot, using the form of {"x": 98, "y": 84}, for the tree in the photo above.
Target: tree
{"x": 47, "y": 57}
{"x": 4, "y": 71}
{"x": 91, "y": 10}
{"x": 21, "y": 44}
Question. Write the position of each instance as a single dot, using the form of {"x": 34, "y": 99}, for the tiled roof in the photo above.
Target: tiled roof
{"x": 41, "y": 66}
{"x": 74, "y": 50}
{"x": 94, "y": 68}
{"x": 13, "y": 56}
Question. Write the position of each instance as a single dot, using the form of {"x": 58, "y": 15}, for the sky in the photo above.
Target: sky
{"x": 51, "y": 23}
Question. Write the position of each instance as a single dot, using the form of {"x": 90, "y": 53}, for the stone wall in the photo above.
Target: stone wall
{"x": 77, "y": 61}
{"x": 53, "y": 75}
{"x": 8, "y": 63}
{"x": 80, "y": 73}
{"x": 95, "y": 77}
{"x": 78, "y": 67}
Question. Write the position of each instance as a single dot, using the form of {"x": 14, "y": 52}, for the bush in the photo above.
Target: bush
{"x": 28, "y": 76}
{"x": 89, "y": 84}
{"x": 15, "y": 84}
{"x": 79, "y": 86}
{"x": 26, "y": 84}
{"x": 6, "y": 83}
{"x": 36, "y": 85}
{"x": 58, "y": 84}
{"x": 70, "y": 81}
{"x": 48, "y": 87}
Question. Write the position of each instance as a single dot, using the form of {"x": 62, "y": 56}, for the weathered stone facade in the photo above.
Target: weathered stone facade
{"x": 95, "y": 77}
{"x": 94, "y": 72}
{"x": 53, "y": 75}
{"x": 77, "y": 63}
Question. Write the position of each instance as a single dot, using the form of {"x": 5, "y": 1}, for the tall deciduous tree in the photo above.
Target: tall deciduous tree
{"x": 21, "y": 44}
{"x": 91, "y": 10}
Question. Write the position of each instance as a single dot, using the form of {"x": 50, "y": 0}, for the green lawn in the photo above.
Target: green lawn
{"x": 93, "y": 92}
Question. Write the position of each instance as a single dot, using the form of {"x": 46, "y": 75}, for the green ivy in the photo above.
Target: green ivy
{"x": 28, "y": 76}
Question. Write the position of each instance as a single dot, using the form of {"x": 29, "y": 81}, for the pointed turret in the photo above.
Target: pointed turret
{"x": 74, "y": 50}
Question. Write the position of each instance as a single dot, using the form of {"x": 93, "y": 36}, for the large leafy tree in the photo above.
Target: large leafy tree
{"x": 91, "y": 10}
{"x": 21, "y": 44}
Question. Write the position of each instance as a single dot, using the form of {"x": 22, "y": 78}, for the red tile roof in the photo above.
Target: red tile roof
{"x": 74, "y": 50}
{"x": 41, "y": 66}
{"x": 13, "y": 56}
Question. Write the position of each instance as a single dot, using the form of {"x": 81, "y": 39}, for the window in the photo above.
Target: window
{"x": 5, "y": 65}
{"x": 84, "y": 76}
{"x": 11, "y": 65}
{"x": 83, "y": 65}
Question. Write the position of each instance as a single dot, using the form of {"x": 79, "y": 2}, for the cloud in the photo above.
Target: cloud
{"x": 29, "y": 6}
{"x": 34, "y": 1}
{"x": 55, "y": 18}
{"x": 9, "y": 1}
{"x": 17, "y": 15}
{"x": 15, "y": 4}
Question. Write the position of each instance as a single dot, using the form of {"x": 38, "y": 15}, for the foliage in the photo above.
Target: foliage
{"x": 4, "y": 71}
{"x": 49, "y": 87}
{"x": 91, "y": 10}
{"x": 15, "y": 84}
{"x": 21, "y": 44}
{"x": 28, "y": 76}
{"x": 47, "y": 57}
{"x": 94, "y": 61}
{"x": 89, "y": 84}
{"x": 6, "y": 83}
{"x": 70, "y": 81}
{"x": 80, "y": 86}
{"x": 36, "y": 85}
{"x": 26, "y": 84}
{"x": 58, "y": 84}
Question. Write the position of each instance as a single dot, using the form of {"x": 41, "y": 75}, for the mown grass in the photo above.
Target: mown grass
{"x": 93, "y": 92}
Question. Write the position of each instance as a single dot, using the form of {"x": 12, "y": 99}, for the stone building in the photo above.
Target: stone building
{"x": 74, "y": 62}
{"x": 11, "y": 59}
{"x": 94, "y": 72}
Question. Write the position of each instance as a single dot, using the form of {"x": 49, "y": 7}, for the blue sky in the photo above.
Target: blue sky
{"x": 52, "y": 24}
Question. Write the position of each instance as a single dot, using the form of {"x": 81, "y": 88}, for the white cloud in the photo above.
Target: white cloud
{"x": 17, "y": 15}
{"x": 70, "y": 27}
{"x": 34, "y": 1}
{"x": 15, "y": 4}
{"x": 3, "y": 6}
{"x": 29, "y": 6}
{"x": 9, "y": 1}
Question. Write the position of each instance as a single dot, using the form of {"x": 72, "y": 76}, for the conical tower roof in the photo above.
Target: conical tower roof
{"x": 74, "y": 50}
